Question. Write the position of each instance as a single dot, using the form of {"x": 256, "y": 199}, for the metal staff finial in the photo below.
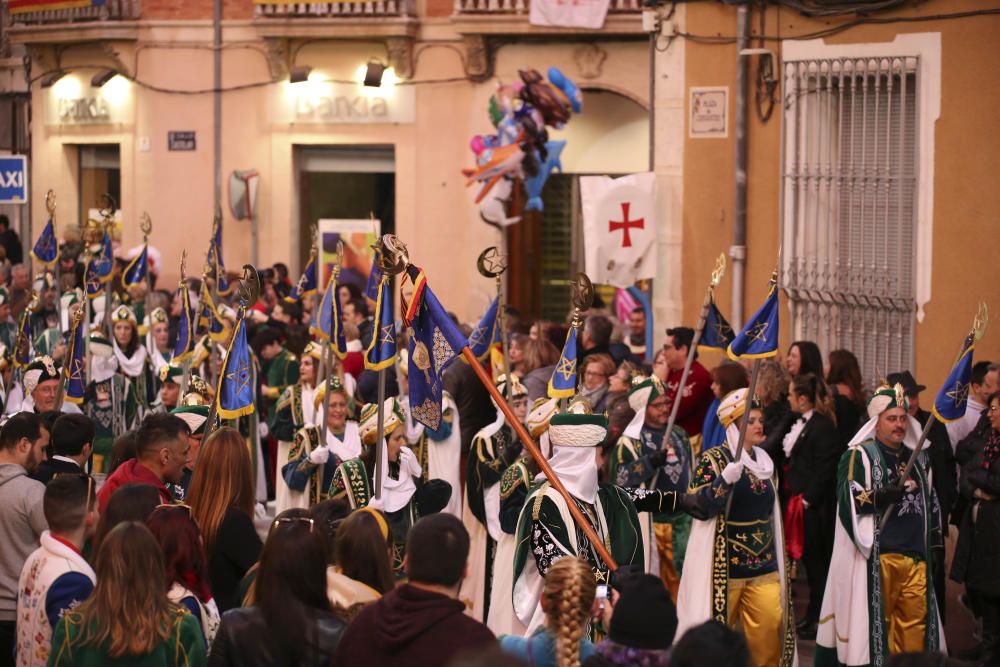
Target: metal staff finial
{"x": 145, "y": 224}
{"x": 107, "y": 208}
{"x": 980, "y": 321}
{"x": 338, "y": 264}
{"x": 249, "y": 289}
{"x": 393, "y": 253}
{"x": 491, "y": 263}
{"x": 719, "y": 271}
{"x": 50, "y": 202}
{"x": 184, "y": 259}
{"x": 582, "y": 297}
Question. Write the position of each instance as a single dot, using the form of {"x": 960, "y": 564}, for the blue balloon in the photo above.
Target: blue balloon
{"x": 534, "y": 184}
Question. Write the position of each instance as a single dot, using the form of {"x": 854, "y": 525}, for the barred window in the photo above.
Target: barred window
{"x": 849, "y": 201}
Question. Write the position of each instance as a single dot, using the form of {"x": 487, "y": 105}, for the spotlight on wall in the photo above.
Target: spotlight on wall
{"x": 102, "y": 78}
{"x": 373, "y": 74}
{"x": 49, "y": 80}
{"x": 299, "y": 74}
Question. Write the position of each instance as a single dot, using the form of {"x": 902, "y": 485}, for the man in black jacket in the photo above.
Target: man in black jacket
{"x": 72, "y": 441}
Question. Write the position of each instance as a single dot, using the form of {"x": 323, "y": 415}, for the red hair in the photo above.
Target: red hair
{"x": 183, "y": 551}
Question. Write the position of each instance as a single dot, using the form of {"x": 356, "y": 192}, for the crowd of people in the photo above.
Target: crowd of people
{"x": 137, "y": 530}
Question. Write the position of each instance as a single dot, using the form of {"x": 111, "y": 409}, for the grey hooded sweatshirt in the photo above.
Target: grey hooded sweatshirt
{"x": 22, "y": 521}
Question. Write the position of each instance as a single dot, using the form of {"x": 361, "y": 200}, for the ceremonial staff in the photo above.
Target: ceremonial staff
{"x": 493, "y": 264}
{"x": 330, "y": 342}
{"x": 50, "y": 206}
{"x": 107, "y": 210}
{"x": 976, "y": 332}
{"x": 146, "y": 225}
{"x": 192, "y": 333}
{"x": 395, "y": 253}
{"x": 67, "y": 370}
{"x": 563, "y": 382}
{"x": 717, "y": 273}
{"x": 20, "y": 341}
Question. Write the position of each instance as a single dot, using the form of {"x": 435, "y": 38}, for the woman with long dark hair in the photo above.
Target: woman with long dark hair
{"x": 362, "y": 561}
{"x": 849, "y": 399}
{"x": 128, "y": 618}
{"x": 804, "y": 357}
{"x": 812, "y": 449}
{"x": 222, "y": 503}
{"x": 290, "y": 621}
{"x": 186, "y": 565}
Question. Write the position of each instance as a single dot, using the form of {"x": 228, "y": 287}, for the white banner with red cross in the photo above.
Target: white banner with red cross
{"x": 569, "y": 13}
{"x": 619, "y": 228}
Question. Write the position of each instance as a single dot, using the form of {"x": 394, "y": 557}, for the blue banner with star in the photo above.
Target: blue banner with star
{"x": 307, "y": 282}
{"x": 235, "y": 392}
{"x": 104, "y": 265}
{"x": 487, "y": 332}
{"x": 92, "y": 280}
{"x": 135, "y": 272}
{"x": 951, "y": 401}
{"x": 327, "y": 323}
{"x": 381, "y": 352}
{"x": 185, "y": 328}
{"x": 435, "y": 341}
{"x": 717, "y": 333}
{"x": 759, "y": 337}
{"x": 374, "y": 276}
{"x": 46, "y": 249}
{"x": 562, "y": 384}
{"x": 76, "y": 368}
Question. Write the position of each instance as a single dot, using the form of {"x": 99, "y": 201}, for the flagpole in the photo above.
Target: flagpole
{"x": 978, "y": 329}
{"x": 70, "y": 353}
{"x": 32, "y": 303}
{"x": 50, "y": 206}
{"x": 532, "y": 447}
{"x": 773, "y": 284}
{"x": 493, "y": 264}
{"x": 720, "y": 269}
{"x": 328, "y": 347}
{"x": 146, "y": 225}
{"x": 108, "y": 213}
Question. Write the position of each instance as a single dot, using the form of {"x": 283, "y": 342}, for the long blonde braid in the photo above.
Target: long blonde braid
{"x": 570, "y": 587}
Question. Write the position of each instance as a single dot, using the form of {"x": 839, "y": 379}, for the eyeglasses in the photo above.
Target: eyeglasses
{"x": 296, "y": 519}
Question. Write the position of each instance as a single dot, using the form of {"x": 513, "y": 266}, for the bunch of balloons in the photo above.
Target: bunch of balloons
{"x": 520, "y": 149}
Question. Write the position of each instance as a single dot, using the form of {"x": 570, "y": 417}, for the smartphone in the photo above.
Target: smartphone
{"x": 602, "y": 591}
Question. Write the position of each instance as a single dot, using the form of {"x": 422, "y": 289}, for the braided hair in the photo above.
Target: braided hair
{"x": 570, "y": 588}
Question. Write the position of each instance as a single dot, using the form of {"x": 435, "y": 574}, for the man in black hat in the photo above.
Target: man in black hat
{"x": 942, "y": 464}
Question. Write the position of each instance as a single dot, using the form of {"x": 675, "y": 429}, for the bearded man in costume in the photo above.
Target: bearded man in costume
{"x": 877, "y": 600}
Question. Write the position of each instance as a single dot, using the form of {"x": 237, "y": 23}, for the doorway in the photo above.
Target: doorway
{"x": 100, "y": 173}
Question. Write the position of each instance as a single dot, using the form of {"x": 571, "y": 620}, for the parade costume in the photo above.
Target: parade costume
{"x": 405, "y": 495}
{"x": 282, "y": 372}
{"x": 644, "y": 458}
{"x": 515, "y": 484}
{"x": 546, "y": 531}
{"x": 736, "y": 572}
{"x": 157, "y": 358}
{"x": 877, "y": 600}
{"x": 494, "y": 448}
{"x": 135, "y": 400}
{"x": 98, "y": 400}
{"x": 296, "y": 409}
{"x": 8, "y": 327}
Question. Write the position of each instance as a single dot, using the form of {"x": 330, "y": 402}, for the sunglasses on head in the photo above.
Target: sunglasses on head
{"x": 295, "y": 520}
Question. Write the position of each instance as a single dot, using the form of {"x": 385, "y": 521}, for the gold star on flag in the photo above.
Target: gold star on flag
{"x": 759, "y": 332}
{"x": 387, "y": 335}
{"x": 566, "y": 368}
{"x": 959, "y": 394}
{"x": 240, "y": 376}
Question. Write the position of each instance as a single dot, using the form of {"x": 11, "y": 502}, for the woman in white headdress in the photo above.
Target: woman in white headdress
{"x": 736, "y": 572}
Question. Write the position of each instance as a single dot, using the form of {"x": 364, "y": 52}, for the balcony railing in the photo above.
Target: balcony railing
{"x": 111, "y": 10}
{"x": 334, "y": 9}
{"x": 523, "y": 6}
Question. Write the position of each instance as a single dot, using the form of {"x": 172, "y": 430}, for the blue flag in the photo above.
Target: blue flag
{"x": 77, "y": 366}
{"x": 307, "y": 281}
{"x": 218, "y": 269}
{"x": 135, "y": 272}
{"x": 487, "y": 332}
{"x": 950, "y": 403}
{"x": 327, "y": 324}
{"x": 562, "y": 384}
{"x": 92, "y": 279}
{"x": 236, "y": 390}
{"x": 185, "y": 328}
{"x": 759, "y": 336}
{"x": 374, "y": 278}
{"x": 22, "y": 344}
{"x": 104, "y": 265}
{"x": 46, "y": 250}
{"x": 717, "y": 333}
{"x": 381, "y": 352}
{"x": 435, "y": 341}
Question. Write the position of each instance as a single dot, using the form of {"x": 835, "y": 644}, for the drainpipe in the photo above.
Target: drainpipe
{"x": 738, "y": 251}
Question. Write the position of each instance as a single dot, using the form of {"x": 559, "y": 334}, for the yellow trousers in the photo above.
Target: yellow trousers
{"x": 755, "y": 608}
{"x": 904, "y": 593}
{"x": 664, "y": 533}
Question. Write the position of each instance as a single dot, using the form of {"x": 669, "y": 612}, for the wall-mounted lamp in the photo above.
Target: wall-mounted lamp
{"x": 102, "y": 78}
{"x": 50, "y": 79}
{"x": 299, "y": 74}
{"x": 373, "y": 74}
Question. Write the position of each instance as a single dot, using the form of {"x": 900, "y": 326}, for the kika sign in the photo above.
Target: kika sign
{"x": 329, "y": 103}
{"x": 619, "y": 223}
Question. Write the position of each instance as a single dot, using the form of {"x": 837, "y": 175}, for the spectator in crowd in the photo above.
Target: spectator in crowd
{"x": 568, "y": 602}
{"x": 515, "y": 355}
{"x": 186, "y": 566}
{"x": 595, "y": 338}
{"x": 161, "y": 452}
{"x": 72, "y": 438}
{"x": 362, "y": 557}
{"x": 636, "y": 338}
{"x": 123, "y": 449}
{"x": 56, "y": 577}
{"x": 421, "y": 622}
{"x": 772, "y": 392}
{"x": 355, "y": 312}
{"x": 594, "y": 372}
{"x": 620, "y": 381}
{"x": 697, "y": 394}
{"x": 642, "y": 621}
{"x": 540, "y": 358}
{"x": 727, "y": 377}
{"x": 10, "y": 241}
{"x": 131, "y": 502}
{"x": 290, "y": 621}
{"x": 222, "y": 503}
{"x": 22, "y": 516}
{"x": 804, "y": 357}
{"x": 984, "y": 381}
{"x": 847, "y": 386}
{"x": 128, "y": 618}
{"x": 711, "y": 643}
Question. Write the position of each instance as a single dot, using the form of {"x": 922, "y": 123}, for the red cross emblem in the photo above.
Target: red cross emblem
{"x": 625, "y": 225}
